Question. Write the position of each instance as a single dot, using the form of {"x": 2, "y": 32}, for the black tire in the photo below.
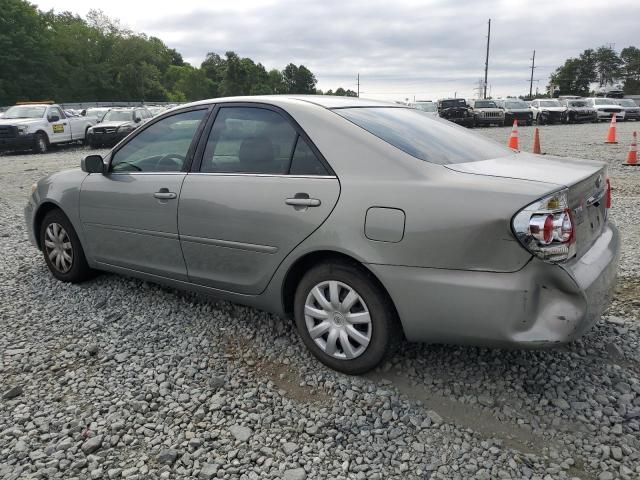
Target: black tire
{"x": 539, "y": 119}
{"x": 79, "y": 270}
{"x": 40, "y": 143}
{"x": 385, "y": 328}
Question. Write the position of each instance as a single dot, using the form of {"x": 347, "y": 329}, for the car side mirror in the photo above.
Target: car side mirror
{"x": 92, "y": 164}
{"x": 54, "y": 118}
{"x": 137, "y": 119}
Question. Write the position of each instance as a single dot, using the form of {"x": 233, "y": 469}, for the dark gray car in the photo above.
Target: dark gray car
{"x": 362, "y": 220}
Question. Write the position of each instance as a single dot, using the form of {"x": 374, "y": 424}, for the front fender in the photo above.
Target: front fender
{"x": 62, "y": 190}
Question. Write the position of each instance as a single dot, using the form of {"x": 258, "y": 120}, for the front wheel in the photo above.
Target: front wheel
{"x": 40, "y": 143}
{"x": 62, "y": 250}
{"x": 345, "y": 318}
{"x": 540, "y": 119}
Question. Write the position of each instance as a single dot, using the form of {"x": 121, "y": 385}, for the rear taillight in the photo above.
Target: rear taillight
{"x": 608, "y": 194}
{"x": 546, "y": 228}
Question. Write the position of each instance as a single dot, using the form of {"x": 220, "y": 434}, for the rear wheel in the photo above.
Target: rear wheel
{"x": 62, "y": 250}
{"x": 40, "y": 143}
{"x": 345, "y": 318}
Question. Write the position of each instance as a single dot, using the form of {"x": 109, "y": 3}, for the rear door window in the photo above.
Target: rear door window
{"x": 249, "y": 140}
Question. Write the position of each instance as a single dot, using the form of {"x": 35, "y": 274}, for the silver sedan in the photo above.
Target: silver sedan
{"x": 366, "y": 222}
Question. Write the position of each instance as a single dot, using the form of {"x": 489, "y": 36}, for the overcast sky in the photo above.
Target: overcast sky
{"x": 401, "y": 48}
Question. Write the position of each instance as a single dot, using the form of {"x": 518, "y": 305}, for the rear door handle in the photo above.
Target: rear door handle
{"x": 165, "y": 194}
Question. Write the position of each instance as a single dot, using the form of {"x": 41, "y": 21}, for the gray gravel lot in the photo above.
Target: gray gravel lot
{"x": 119, "y": 378}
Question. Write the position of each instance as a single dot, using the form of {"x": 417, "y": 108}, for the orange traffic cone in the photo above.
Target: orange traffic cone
{"x": 611, "y": 135}
{"x": 632, "y": 156}
{"x": 513, "y": 138}
{"x": 536, "y": 141}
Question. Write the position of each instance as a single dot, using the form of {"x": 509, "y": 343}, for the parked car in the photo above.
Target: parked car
{"x": 515, "y": 109}
{"x": 456, "y": 110}
{"x": 631, "y": 108}
{"x": 547, "y": 110}
{"x": 116, "y": 124}
{"x": 486, "y": 112}
{"x": 38, "y": 126}
{"x": 426, "y": 106}
{"x": 365, "y": 221}
{"x": 606, "y": 108}
{"x": 578, "y": 110}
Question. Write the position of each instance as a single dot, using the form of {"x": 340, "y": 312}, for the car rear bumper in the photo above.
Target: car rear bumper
{"x": 541, "y": 304}
{"x": 21, "y": 142}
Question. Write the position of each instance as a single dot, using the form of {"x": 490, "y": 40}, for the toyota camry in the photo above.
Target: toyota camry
{"x": 365, "y": 222}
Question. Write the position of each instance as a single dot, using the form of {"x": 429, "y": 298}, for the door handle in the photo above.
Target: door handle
{"x": 64, "y": 123}
{"x": 303, "y": 202}
{"x": 165, "y": 194}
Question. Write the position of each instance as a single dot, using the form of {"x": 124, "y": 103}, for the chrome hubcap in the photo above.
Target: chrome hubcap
{"x": 58, "y": 248}
{"x": 338, "y": 320}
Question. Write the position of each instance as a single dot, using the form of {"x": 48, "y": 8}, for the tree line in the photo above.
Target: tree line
{"x": 602, "y": 65}
{"x": 67, "y": 58}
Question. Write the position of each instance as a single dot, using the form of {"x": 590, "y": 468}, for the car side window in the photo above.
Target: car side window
{"x": 249, "y": 140}
{"x": 55, "y": 112}
{"x": 305, "y": 162}
{"x": 162, "y": 147}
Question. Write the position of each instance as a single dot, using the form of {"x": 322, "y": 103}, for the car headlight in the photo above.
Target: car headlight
{"x": 34, "y": 187}
{"x": 125, "y": 128}
{"x": 23, "y": 129}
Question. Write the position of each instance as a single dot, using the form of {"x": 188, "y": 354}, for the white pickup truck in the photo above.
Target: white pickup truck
{"x": 37, "y": 126}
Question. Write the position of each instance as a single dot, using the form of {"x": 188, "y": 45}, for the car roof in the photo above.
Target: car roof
{"x": 326, "y": 101}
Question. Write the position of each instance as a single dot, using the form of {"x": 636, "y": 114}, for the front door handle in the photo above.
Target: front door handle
{"x": 165, "y": 194}
{"x": 303, "y": 202}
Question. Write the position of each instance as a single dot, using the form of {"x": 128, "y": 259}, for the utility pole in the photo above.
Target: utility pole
{"x": 486, "y": 64}
{"x": 358, "y": 85}
{"x": 533, "y": 66}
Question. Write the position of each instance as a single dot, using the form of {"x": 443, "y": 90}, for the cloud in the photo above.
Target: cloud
{"x": 425, "y": 48}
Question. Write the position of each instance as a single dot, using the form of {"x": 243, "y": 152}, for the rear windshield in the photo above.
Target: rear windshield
{"x": 423, "y": 136}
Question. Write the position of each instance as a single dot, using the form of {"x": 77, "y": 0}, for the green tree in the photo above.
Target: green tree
{"x": 24, "y": 53}
{"x": 608, "y": 65}
{"x": 630, "y": 57}
{"x": 276, "y": 81}
{"x": 574, "y": 77}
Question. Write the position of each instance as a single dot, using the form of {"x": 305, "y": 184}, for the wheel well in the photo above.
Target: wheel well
{"x": 40, "y": 214}
{"x": 303, "y": 264}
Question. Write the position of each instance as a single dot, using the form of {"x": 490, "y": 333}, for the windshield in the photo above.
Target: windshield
{"x": 25, "y": 111}
{"x": 424, "y": 136}
{"x": 426, "y": 107}
{"x": 460, "y": 102}
{"x": 550, "y": 103}
{"x": 485, "y": 104}
{"x": 577, "y": 103}
{"x": 118, "y": 116}
{"x": 627, "y": 102}
{"x": 516, "y": 105}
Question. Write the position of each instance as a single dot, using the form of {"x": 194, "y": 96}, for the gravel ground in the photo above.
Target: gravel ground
{"x": 118, "y": 378}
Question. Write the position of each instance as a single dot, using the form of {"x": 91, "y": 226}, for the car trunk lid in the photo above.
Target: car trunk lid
{"x": 586, "y": 182}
